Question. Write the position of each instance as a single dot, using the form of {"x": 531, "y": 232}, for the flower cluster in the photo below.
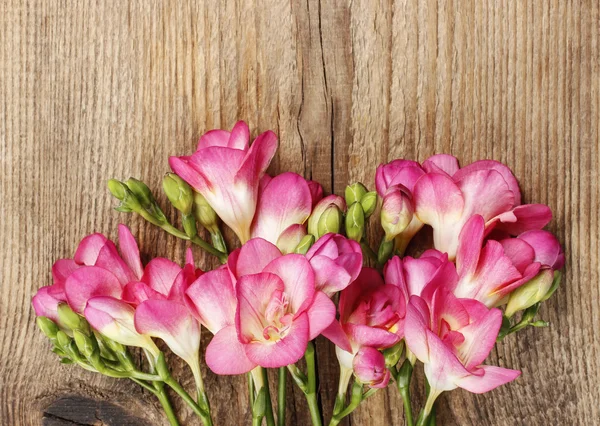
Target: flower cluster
{"x": 299, "y": 273}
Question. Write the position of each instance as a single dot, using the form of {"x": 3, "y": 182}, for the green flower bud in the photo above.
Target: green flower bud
{"x": 554, "y": 287}
{"x": 260, "y": 403}
{"x": 405, "y": 374}
{"x": 141, "y": 192}
{"x": 355, "y": 222}
{"x": 129, "y": 203}
{"x": 87, "y": 345}
{"x": 392, "y": 355}
{"x": 48, "y": 327}
{"x": 63, "y": 340}
{"x": 330, "y": 221}
{"x": 386, "y": 249}
{"x": 530, "y": 293}
{"x": 305, "y": 244}
{"x": 205, "y": 214}
{"x": 369, "y": 203}
{"x": 71, "y": 320}
{"x": 117, "y": 189}
{"x": 179, "y": 193}
{"x": 162, "y": 368}
{"x": 354, "y": 193}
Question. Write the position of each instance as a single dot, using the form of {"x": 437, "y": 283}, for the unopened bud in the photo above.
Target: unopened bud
{"x": 355, "y": 222}
{"x": 530, "y": 293}
{"x": 63, "y": 340}
{"x": 554, "y": 287}
{"x": 392, "y": 355}
{"x": 179, "y": 193}
{"x": 141, "y": 192}
{"x": 87, "y": 345}
{"x": 386, "y": 249}
{"x": 48, "y": 327}
{"x": 354, "y": 193}
{"x": 305, "y": 244}
{"x": 369, "y": 203}
{"x": 129, "y": 202}
{"x": 205, "y": 214}
{"x": 319, "y": 211}
{"x": 330, "y": 221}
{"x": 396, "y": 212}
{"x": 405, "y": 374}
{"x": 71, "y": 320}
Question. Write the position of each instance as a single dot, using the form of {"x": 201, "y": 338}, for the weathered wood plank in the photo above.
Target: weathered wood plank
{"x": 91, "y": 90}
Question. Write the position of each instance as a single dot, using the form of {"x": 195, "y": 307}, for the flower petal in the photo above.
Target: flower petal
{"x": 62, "y": 268}
{"x": 252, "y": 257}
{"x": 444, "y": 163}
{"x": 397, "y": 172}
{"x": 546, "y": 248}
{"x": 298, "y": 279}
{"x": 45, "y": 304}
{"x": 284, "y": 352}
{"x": 480, "y": 338}
{"x": 321, "y": 314}
{"x": 290, "y": 238}
{"x": 225, "y": 354}
{"x": 89, "y": 248}
{"x": 338, "y": 336}
{"x": 506, "y": 173}
{"x": 160, "y": 274}
{"x": 90, "y": 281}
{"x": 138, "y": 292}
{"x": 470, "y": 242}
{"x": 130, "y": 251}
{"x": 523, "y": 218}
{"x": 485, "y": 193}
{"x": 491, "y": 378}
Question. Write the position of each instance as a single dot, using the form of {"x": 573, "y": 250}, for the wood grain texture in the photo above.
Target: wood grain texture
{"x": 96, "y": 89}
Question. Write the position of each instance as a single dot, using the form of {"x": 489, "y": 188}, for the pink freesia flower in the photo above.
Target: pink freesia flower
{"x": 284, "y": 205}
{"x": 336, "y": 260}
{"x": 46, "y": 305}
{"x": 277, "y": 309}
{"x": 395, "y": 182}
{"x": 489, "y": 272}
{"x": 369, "y": 368}
{"x": 546, "y": 248}
{"x": 452, "y": 337}
{"x": 447, "y": 196}
{"x": 227, "y": 172}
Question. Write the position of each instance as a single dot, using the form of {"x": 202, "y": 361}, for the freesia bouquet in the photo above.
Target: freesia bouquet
{"x": 303, "y": 269}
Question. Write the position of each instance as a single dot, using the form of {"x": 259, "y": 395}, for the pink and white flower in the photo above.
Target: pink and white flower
{"x": 277, "y": 309}
{"x": 447, "y": 196}
{"x": 370, "y": 369}
{"x": 227, "y": 172}
{"x": 336, "y": 261}
{"x": 453, "y": 337}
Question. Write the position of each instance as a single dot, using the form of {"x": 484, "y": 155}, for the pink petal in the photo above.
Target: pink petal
{"x": 240, "y": 136}
{"x": 520, "y": 253}
{"x": 160, "y": 274}
{"x": 441, "y": 163}
{"x": 109, "y": 259}
{"x": 546, "y": 248}
{"x": 213, "y": 298}
{"x": 253, "y": 294}
{"x": 485, "y": 193}
{"x": 316, "y": 192}
{"x": 89, "y": 248}
{"x": 298, "y": 279}
{"x": 491, "y": 378}
{"x": 364, "y": 335}
{"x": 285, "y": 201}
{"x": 283, "y": 352}
{"x": 138, "y": 292}
{"x": 415, "y": 328}
{"x": 215, "y": 137}
{"x": 329, "y": 276}
{"x": 506, "y": 173}
{"x": 252, "y": 257}
{"x": 369, "y": 279}
{"x": 257, "y": 159}
{"x": 130, "y": 251}
{"x": 225, "y": 354}
{"x": 470, "y": 242}
{"x": 337, "y": 335}
{"x": 480, "y": 338}
{"x": 524, "y": 218}
{"x": 45, "y": 305}
{"x": 320, "y": 314}
{"x": 171, "y": 322}
{"x": 61, "y": 270}
{"x": 90, "y": 281}
{"x": 439, "y": 203}
{"x": 369, "y": 367}
{"x": 403, "y": 172}
{"x": 185, "y": 169}
{"x": 443, "y": 369}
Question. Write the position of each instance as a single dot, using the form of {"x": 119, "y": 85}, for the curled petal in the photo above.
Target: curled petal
{"x": 252, "y": 257}
{"x": 225, "y": 354}
{"x": 522, "y": 219}
{"x": 160, "y": 274}
{"x": 290, "y": 238}
{"x": 90, "y": 281}
{"x": 397, "y": 172}
{"x": 45, "y": 304}
{"x": 546, "y": 248}
{"x": 369, "y": 367}
{"x": 130, "y": 251}
{"x": 298, "y": 279}
{"x": 89, "y": 248}
{"x": 441, "y": 163}
{"x": 138, "y": 292}
{"x": 489, "y": 377}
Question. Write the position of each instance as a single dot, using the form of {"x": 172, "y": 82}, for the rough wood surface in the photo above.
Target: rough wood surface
{"x": 96, "y": 89}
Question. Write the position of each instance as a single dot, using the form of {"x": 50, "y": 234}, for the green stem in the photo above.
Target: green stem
{"x": 281, "y": 396}
{"x": 405, "y": 394}
{"x": 269, "y": 414}
{"x": 344, "y": 381}
{"x": 403, "y": 377}
{"x": 367, "y": 250}
{"x": 196, "y": 240}
{"x": 357, "y": 397}
{"x": 174, "y": 384}
{"x": 162, "y": 396}
{"x": 311, "y": 395}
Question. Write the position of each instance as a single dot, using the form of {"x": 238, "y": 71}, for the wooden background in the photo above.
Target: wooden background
{"x": 96, "y": 89}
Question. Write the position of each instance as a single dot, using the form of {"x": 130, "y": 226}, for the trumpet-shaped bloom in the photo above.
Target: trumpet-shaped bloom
{"x": 227, "y": 172}
{"x": 490, "y": 272}
{"x": 398, "y": 204}
{"x": 284, "y": 204}
{"x": 336, "y": 260}
{"x": 277, "y": 309}
{"x": 452, "y": 337}
{"x": 114, "y": 319}
{"x": 447, "y": 196}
